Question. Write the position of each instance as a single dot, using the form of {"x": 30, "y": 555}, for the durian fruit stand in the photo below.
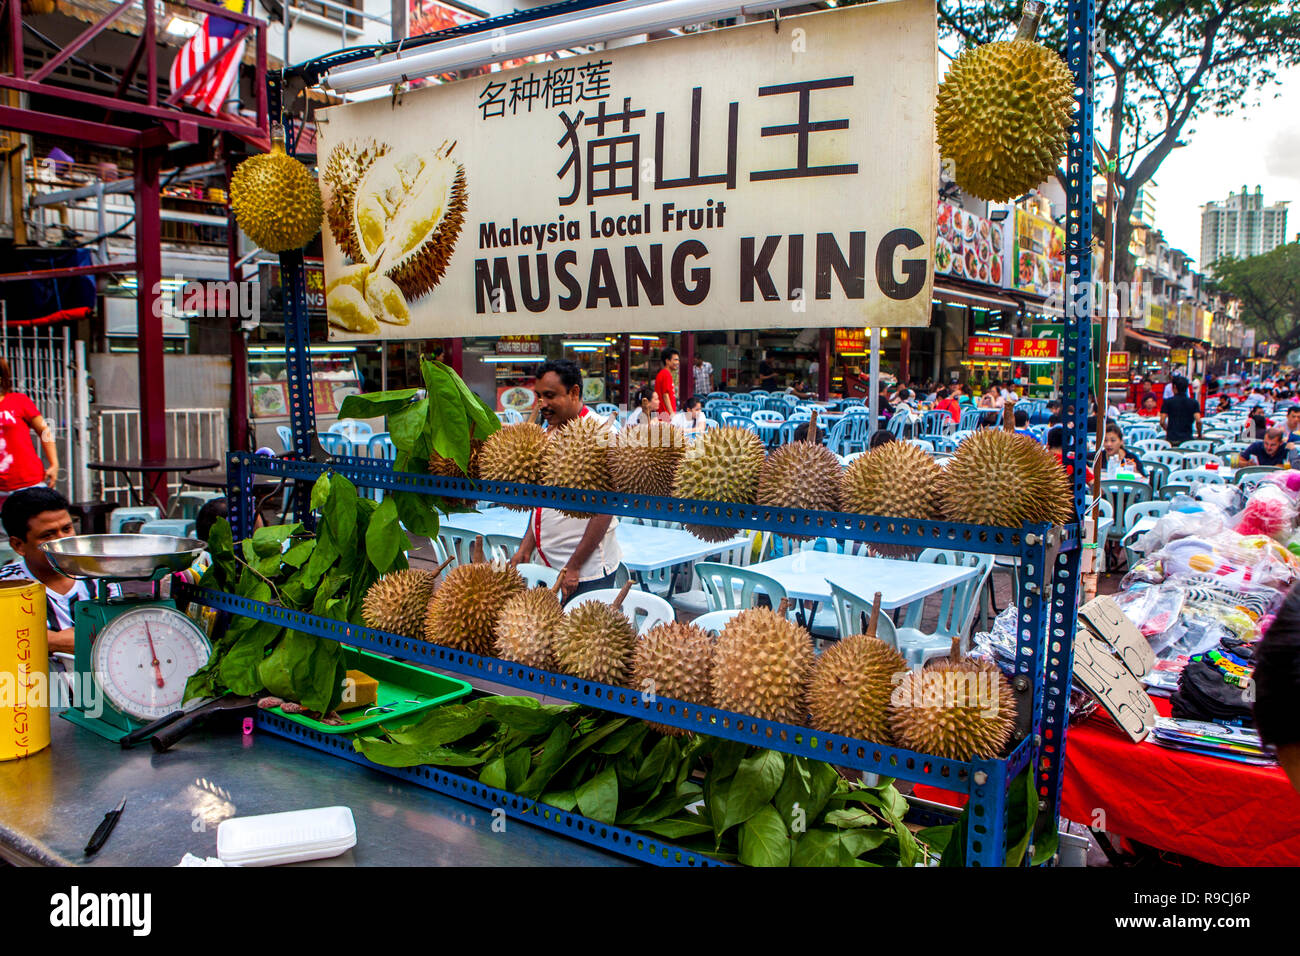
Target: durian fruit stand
{"x": 1024, "y": 775}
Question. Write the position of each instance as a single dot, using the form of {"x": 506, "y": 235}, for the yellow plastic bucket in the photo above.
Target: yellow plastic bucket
{"x": 24, "y": 670}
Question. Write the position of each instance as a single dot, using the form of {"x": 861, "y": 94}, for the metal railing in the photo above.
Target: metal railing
{"x": 191, "y": 433}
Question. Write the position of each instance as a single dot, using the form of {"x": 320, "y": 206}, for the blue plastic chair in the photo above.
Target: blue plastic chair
{"x": 1122, "y": 494}
{"x": 743, "y": 421}
{"x": 971, "y": 417}
{"x": 849, "y": 610}
{"x": 1199, "y": 444}
{"x": 456, "y": 543}
{"x": 718, "y": 395}
{"x": 1194, "y": 476}
{"x": 763, "y": 415}
{"x": 606, "y": 409}
{"x": 355, "y": 431}
{"x": 785, "y": 434}
{"x": 1132, "y": 515}
{"x": 381, "y": 446}
{"x": 729, "y": 586}
{"x": 1139, "y": 433}
{"x": 501, "y": 545}
{"x": 335, "y": 443}
{"x": 121, "y": 516}
{"x": 956, "y": 609}
{"x": 1150, "y": 444}
{"x": 935, "y": 423}
{"x": 1199, "y": 459}
{"x": 1157, "y": 475}
{"x": 538, "y": 574}
{"x": 286, "y": 436}
{"x": 643, "y": 609}
{"x": 714, "y": 621}
{"x": 900, "y": 424}
{"x": 923, "y": 444}
{"x": 172, "y": 527}
{"x": 510, "y": 416}
{"x": 759, "y": 392}
{"x": 945, "y": 443}
{"x": 189, "y": 503}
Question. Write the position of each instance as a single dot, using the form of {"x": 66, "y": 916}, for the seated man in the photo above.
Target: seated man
{"x": 1271, "y": 450}
{"x": 32, "y": 517}
{"x": 1277, "y": 687}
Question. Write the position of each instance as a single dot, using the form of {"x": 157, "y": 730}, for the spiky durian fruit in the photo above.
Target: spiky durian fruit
{"x": 1000, "y": 478}
{"x": 1003, "y": 117}
{"x": 643, "y": 459}
{"x": 526, "y": 626}
{"x": 801, "y": 474}
{"x": 346, "y": 164}
{"x": 853, "y": 683}
{"x": 397, "y": 602}
{"x": 674, "y": 660}
{"x": 897, "y": 480}
{"x": 761, "y": 665}
{"x": 595, "y": 641}
{"x": 577, "y": 456}
{"x": 276, "y": 199}
{"x": 447, "y": 468}
{"x": 957, "y": 708}
{"x": 515, "y": 453}
{"x": 464, "y": 611}
{"x": 722, "y": 465}
{"x": 406, "y": 217}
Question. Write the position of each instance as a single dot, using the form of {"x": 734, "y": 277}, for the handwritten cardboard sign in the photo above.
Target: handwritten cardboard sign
{"x": 1098, "y": 669}
{"x": 1105, "y": 619}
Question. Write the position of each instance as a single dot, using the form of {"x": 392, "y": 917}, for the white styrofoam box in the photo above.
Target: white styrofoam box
{"x": 289, "y": 837}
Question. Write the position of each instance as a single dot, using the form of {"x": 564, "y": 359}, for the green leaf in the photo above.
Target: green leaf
{"x": 676, "y": 828}
{"x": 448, "y": 419}
{"x": 598, "y": 797}
{"x": 560, "y": 799}
{"x": 239, "y": 664}
{"x": 627, "y": 737}
{"x": 385, "y": 539}
{"x": 659, "y": 762}
{"x": 764, "y": 840}
{"x": 400, "y": 755}
{"x": 847, "y": 819}
{"x": 727, "y": 755}
{"x": 1022, "y": 814}
{"x": 525, "y": 714}
{"x": 517, "y": 763}
{"x": 820, "y": 848}
{"x": 589, "y": 739}
{"x": 340, "y": 514}
{"x": 320, "y": 492}
{"x": 854, "y": 843}
{"x": 666, "y": 806}
{"x": 376, "y": 404}
{"x": 306, "y": 669}
{"x": 936, "y": 838}
{"x": 484, "y": 418}
{"x": 1045, "y": 847}
{"x": 442, "y": 725}
{"x": 298, "y": 554}
{"x": 416, "y": 512}
{"x": 548, "y": 762}
{"x": 270, "y": 539}
{"x": 494, "y": 774}
{"x": 406, "y": 424}
{"x": 756, "y": 782}
{"x": 807, "y": 783}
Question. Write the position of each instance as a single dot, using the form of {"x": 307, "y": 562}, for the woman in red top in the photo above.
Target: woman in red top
{"x": 20, "y": 467}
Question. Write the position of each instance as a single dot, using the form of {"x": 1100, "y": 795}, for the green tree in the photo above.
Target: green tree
{"x": 1269, "y": 289}
{"x": 1161, "y": 64}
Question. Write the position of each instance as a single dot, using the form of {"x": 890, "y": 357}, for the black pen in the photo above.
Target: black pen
{"x": 100, "y": 836}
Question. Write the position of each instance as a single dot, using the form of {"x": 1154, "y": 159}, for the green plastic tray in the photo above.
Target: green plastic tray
{"x": 404, "y": 691}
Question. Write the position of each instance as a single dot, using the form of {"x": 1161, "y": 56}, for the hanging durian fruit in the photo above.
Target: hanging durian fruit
{"x": 1003, "y": 479}
{"x": 722, "y": 465}
{"x": 447, "y": 468}
{"x": 577, "y": 456}
{"x": 761, "y": 665}
{"x": 801, "y": 474}
{"x": 514, "y": 453}
{"x": 852, "y": 685}
{"x": 527, "y": 626}
{"x": 1003, "y": 115}
{"x": 674, "y": 660}
{"x": 407, "y": 211}
{"x": 958, "y": 708}
{"x": 595, "y": 641}
{"x": 896, "y": 480}
{"x": 643, "y": 459}
{"x": 397, "y": 602}
{"x": 346, "y": 164}
{"x": 276, "y": 199}
{"x": 464, "y": 611}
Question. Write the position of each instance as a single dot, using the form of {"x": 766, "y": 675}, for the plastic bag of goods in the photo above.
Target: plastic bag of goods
{"x": 1186, "y": 518}
{"x": 1269, "y": 511}
{"x": 1288, "y": 480}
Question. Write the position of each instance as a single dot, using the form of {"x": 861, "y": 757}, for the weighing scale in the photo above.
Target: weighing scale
{"x": 139, "y": 650}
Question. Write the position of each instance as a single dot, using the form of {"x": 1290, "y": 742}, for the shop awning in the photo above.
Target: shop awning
{"x": 1147, "y": 341}
{"x": 976, "y": 300}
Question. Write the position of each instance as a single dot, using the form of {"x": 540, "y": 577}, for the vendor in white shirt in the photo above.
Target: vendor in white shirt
{"x": 32, "y": 517}
{"x": 691, "y": 418}
{"x": 647, "y": 407}
{"x": 584, "y": 550}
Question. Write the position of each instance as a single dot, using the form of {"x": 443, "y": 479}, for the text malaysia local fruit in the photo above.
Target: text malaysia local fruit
{"x": 1003, "y": 479}
{"x": 723, "y": 465}
{"x": 514, "y": 453}
{"x": 643, "y": 459}
{"x": 527, "y": 625}
{"x": 397, "y": 602}
{"x": 276, "y": 199}
{"x": 1003, "y": 117}
{"x": 595, "y": 641}
{"x": 407, "y": 213}
{"x": 761, "y": 665}
{"x": 897, "y": 480}
{"x": 674, "y": 660}
{"x": 801, "y": 474}
{"x": 853, "y": 682}
{"x": 958, "y": 708}
{"x": 464, "y": 611}
{"x": 346, "y": 164}
{"x": 577, "y": 457}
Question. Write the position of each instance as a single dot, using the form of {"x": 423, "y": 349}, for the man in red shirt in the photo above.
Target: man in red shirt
{"x": 946, "y": 403}
{"x": 19, "y": 465}
{"x": 665, "y": 382}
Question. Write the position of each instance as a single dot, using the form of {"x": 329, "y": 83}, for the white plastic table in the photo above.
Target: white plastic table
{"x": 807, "y": 576}
{"x": 645, "y": 547}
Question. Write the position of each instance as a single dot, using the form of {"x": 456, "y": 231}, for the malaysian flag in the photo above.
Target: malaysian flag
{"x": 209, "y": 92}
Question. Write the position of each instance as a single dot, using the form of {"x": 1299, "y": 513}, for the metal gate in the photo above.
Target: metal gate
{"x": 50, "y": 369}
{"x": 191, "y": 433}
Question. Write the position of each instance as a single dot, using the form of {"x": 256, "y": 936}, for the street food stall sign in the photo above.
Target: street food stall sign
{"x": 988, "y": 346}
{"x": 1036, "y": 350}
{"x": 748, "y": 177}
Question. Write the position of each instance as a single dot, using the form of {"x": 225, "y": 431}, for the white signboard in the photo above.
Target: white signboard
{"x": 750, "y": 177}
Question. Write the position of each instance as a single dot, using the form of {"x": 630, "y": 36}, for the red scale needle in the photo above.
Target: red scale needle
{"x": 156, "y": 668}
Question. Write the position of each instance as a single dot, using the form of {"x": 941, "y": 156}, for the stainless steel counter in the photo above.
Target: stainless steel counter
{"x": 51, "y": 802}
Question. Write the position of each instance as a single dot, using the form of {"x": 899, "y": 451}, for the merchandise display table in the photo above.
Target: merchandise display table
{"x": 51, "y": 802}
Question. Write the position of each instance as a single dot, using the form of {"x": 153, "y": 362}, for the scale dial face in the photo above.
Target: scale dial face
{"x": 143, "y": 658}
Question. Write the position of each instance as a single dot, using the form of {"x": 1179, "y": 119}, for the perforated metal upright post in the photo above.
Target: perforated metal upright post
{"x": 1079, "y": 36}
{"x": 302, "y": 408}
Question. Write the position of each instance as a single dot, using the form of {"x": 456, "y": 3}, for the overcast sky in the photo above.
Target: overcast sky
{"x": 1260, "y": 146}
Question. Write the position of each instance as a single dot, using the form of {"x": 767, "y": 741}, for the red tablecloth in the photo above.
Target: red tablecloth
{"x": 1217, "y": 811}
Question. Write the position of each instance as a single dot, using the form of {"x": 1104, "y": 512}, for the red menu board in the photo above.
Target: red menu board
{"x": 1036, "y": 350}
{"x": 988, "y": 346}
{"x": 850, "y": 340}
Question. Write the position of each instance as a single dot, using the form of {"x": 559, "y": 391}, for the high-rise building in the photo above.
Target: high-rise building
{"x": 1144, "y": 204}
{"x": 1241, "y": 226}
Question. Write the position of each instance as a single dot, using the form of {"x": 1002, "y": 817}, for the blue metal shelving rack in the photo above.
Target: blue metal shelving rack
{"x": 1048, "y": 574}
